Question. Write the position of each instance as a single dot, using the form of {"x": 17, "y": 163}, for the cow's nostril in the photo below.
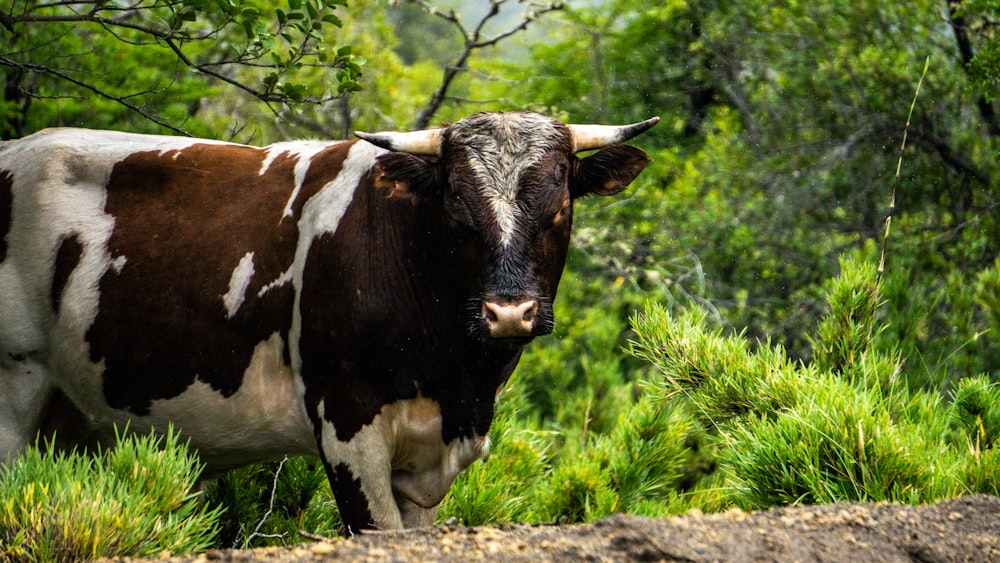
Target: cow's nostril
{"x": 530, "y": 312}
{"x": 489, "y": 311}
{"x": 506, "y": 320}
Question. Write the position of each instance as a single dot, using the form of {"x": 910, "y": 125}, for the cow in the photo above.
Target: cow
{"x": 364, "y": 300}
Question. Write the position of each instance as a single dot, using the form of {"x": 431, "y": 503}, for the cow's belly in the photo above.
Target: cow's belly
{"x": 263, "y": 420}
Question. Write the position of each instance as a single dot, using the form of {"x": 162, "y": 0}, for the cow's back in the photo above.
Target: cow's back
{"x": 52, "y": 188}
{"x": 148, "y": 279}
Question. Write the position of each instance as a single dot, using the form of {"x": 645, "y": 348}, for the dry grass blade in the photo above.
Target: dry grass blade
{"x": 899, "y": 165}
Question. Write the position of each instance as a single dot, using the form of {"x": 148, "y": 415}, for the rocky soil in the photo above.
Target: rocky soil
{"x": 965, "y": 529}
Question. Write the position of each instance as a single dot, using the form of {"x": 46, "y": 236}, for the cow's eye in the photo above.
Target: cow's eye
{"x": 459, "y": 210}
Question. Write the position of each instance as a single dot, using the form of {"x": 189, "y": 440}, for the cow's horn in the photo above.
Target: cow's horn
{"x": 426, "y": 142}
{"x": 587, "y": 137}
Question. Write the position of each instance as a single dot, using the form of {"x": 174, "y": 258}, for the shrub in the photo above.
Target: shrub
{"x": 651, "y": 455}
{"x": 268, "y": 503}
{"x": 134, "y": 500}
{"x": 845, "y": 427}
{"x": 499, "y": 488}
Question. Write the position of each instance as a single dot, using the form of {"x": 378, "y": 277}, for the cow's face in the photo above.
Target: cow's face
{"x": 505, "y": 184}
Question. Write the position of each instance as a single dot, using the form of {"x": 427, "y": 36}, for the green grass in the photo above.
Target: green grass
{"x": 842, "y": 428}
{"x": 134, "y": 500}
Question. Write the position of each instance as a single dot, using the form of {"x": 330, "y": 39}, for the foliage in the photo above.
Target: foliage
{"x": 844, "y": 428}
{"x": 639, "y": 464}
{"x": 272, "y": 502}
{"x": 780, "y": 133}
{"x": 154, "y": 58}
{"x": 133, "y": 500}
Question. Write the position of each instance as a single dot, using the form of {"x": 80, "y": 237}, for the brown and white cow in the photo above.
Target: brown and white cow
{"x": 360, "y": 301}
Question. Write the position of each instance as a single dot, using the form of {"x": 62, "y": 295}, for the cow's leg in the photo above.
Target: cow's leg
{"x": 360, "y": 476}
{"x": 23, "y": 404}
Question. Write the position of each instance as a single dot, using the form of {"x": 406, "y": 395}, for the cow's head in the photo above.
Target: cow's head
{"x": 506, "y": 183}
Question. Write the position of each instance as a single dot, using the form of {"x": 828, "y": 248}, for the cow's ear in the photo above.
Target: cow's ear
{"x": 400, "y": 174}
{"x": 607, "y": 171}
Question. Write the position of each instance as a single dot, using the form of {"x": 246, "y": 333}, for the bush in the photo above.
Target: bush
{"x": 650, "y": 456}
{"x": 268, "y": 503}
{"x": 844, "y": 428}
{"x": 134, "y": 500}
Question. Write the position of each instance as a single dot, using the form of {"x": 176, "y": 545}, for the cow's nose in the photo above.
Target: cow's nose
{"x": 510, "y": 320}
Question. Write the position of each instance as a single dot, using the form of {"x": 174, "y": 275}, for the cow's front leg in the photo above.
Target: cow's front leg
{"x": 360, "y": 474}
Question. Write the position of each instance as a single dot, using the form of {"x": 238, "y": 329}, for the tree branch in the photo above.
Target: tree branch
{"x": 7, "y": 21}
{"x": 133, "y": 24}
{"x": 950, "y": 157}
{"x": 117, "y": 99}
{"x": 472, "y": 42}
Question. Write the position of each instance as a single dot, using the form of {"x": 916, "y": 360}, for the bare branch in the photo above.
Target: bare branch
{"x": 494, "y": 11}
{"x": 950, "y": 156}
{"x": 528, "y": 18}
{"x": 450, "y": 17}
{"x": 472, "y": 42}
{"x": 270, "y": 508}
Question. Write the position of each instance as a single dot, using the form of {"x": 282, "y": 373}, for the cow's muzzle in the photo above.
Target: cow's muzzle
{"x": 510, "y": 319}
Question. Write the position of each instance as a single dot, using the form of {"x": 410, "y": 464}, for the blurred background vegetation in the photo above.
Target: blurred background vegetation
{"x": 746, "y": 250}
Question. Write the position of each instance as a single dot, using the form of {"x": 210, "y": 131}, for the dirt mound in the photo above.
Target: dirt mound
{"x": 964, "y": 529}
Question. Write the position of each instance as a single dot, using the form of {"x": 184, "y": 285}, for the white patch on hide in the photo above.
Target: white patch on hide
{"x": 284, "y": 278}
{"x": 60, "y": 180}
{"x": 238, "y": 284}
{"x": 303, "y": 151}
{"x": 320, "y": 215}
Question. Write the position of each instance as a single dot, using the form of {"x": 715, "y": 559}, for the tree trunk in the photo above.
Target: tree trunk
{"x": 958, "y": 25}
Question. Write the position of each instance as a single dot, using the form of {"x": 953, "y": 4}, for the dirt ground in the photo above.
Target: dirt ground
{"x": 964, "y": 529}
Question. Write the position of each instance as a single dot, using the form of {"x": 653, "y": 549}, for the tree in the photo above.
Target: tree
{"x": 421, "y": 59}
{"x": 159, "y": 58}
{"x": 781, "y": 133}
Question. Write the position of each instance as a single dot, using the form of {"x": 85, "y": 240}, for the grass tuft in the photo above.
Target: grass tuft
{"x": 134, "y": 500}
